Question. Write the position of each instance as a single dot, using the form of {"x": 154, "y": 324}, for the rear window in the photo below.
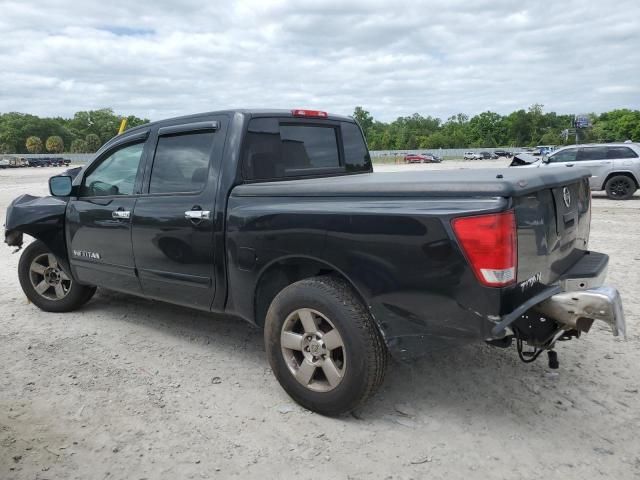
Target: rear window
{"x": 282, "y": 148}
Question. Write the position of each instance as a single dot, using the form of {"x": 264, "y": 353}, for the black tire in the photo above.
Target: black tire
{"x": 75, "y": 295}
{"x": 364, "y": 354}
{"x": 620, "y": 187}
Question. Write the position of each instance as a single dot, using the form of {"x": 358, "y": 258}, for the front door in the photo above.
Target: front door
{"x": 173, "y": 223}
{"x": 98, "y": 220}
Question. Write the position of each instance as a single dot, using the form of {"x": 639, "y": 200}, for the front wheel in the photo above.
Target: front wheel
{"x": 323, "y": 346}
{"x": 48, "y": 286}
{"x": 620, "y": 187}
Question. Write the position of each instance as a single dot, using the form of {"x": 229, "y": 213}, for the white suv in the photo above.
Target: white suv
{"x": 614, "y": 167}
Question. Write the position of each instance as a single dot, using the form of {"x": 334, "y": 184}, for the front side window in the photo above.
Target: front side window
{"x": 115, "y": 175}
{"x": 568, "y": 155}
{"x": 181, "y": 163}
{"x": 274, "y": 150}
{"x": 620, "y": 152}
{"x": 592, "y": 153}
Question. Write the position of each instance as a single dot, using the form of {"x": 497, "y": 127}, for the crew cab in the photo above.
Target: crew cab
{"x": 277, "y": 218}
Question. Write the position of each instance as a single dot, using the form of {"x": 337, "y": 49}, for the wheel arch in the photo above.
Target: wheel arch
{"x": 41, "y": 218}
{"x": 283, "y": 271}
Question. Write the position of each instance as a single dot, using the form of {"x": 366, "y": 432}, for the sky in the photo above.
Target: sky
{"x": 160, "y": 58}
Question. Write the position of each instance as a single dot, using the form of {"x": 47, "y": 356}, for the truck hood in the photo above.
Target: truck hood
{"x": 490, "y": 182}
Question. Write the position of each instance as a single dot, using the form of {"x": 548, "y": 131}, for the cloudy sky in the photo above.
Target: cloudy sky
{"x": 159, "y": 58}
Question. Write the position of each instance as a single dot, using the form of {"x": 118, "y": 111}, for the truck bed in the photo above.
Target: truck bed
{"x": 489, "y": 182}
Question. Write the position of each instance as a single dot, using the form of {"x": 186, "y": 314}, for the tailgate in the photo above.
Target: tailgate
{"x": 553, "y": 231}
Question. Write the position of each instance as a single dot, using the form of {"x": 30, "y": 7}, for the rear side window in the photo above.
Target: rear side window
{"x": 181, "y": 163}
{"x": 620, "y": 152}
{"x": 568, "y": 155}
{"x": 279, "y": 148}
{"x": 592, "y": 153}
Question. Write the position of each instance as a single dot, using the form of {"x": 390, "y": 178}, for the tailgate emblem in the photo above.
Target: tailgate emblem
{"x": 566, "y": 195}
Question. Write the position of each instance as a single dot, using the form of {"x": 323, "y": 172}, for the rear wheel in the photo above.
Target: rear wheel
{"x": 323, "y": 346}
{"x": 45, "y": 283}
{"x": 620, "y": 187}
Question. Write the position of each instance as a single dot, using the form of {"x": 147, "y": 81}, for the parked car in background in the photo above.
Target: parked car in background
{"x": 59, "y": 161}
{"x": 16, "y": 162}
{"x": 614, "y": 167}
{"x": 472, "y": 156}
{"x": 419, "y": 158}
{"x": 488, "y": 155}
{"x": 435, "y": 158}
{"x": 503, "y": 153}
{"x": 4, "y": 163}
{"x": 38, "y": 162}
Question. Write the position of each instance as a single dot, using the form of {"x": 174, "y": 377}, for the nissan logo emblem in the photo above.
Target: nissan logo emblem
{"x": 566, "y": 195}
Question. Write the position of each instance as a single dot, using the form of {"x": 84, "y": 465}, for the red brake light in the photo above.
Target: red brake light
{"x": 309, "y": 113}
{"x": 490, "y": 244}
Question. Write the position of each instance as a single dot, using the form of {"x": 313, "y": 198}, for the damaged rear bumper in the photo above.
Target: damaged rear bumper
{"x": 575, "y": 302}
{"x": 578, "y": 310}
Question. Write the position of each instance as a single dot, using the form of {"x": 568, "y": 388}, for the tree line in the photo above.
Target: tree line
{"x": 521, "y": 128}
{"x": 85, "y": 132}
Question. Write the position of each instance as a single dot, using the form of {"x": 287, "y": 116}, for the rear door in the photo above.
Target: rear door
{"x": 595, "y": 160}
{"x": 98, "y": 221}
{"x": 624, "y": 159}
{"x": 173, "y": 224}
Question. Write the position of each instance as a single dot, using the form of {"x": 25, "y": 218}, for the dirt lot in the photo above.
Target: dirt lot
{"x": 129, "y": 388}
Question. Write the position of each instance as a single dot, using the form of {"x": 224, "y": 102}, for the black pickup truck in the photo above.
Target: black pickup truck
{"x": 276, "y": 217}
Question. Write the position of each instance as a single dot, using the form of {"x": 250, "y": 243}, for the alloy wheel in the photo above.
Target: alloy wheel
{"x": 313, "y": 350}
{"x": 48, "y": 279}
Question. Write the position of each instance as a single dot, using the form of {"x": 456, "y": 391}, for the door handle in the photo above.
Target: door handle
{"x": 568, "y": 164}
{"x": 121, "y": 213}
{"x": 197, "y": 214}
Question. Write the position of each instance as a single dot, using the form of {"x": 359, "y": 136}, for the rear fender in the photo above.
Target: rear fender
{"x": 43, "y": 219}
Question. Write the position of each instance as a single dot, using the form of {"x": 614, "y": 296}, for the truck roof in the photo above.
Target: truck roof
{"x": 251, "y": 112}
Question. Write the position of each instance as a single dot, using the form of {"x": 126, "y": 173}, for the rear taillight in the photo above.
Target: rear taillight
{"x": 309, "y": 113}
{"x": 490, "y": 244}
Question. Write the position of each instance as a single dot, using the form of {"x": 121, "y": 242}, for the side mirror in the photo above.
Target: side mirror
{"x": 545, "y": 159}
{"x": 60, "y": 186}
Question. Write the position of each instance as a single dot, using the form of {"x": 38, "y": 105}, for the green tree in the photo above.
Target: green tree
{"x": 92, "y": 143}
{"x": 34, "y": 144}
{"x": 364, "y": 118}
{"x": 54, "y": 144}
{"x": 78, "y": 146}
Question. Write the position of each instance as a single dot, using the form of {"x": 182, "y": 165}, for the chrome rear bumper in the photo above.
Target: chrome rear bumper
{"x": 579, "y": 309}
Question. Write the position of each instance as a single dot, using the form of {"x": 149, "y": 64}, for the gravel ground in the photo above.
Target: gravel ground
{"x": 130, "y": 388}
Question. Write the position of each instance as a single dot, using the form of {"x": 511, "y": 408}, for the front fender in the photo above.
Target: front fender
{"x": 43, "y": 219}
